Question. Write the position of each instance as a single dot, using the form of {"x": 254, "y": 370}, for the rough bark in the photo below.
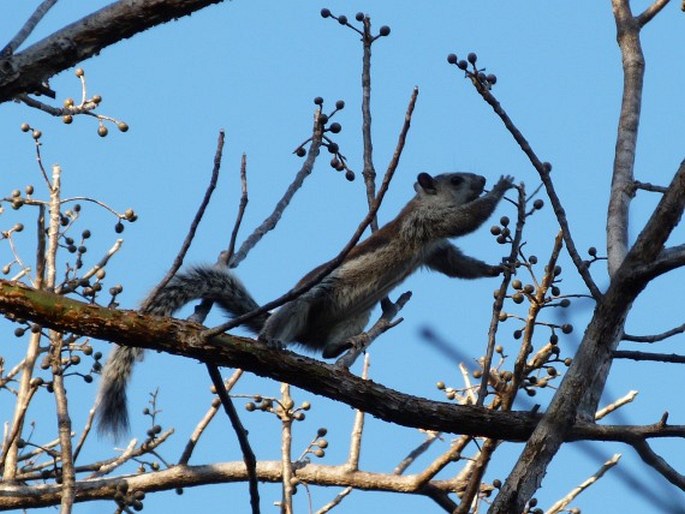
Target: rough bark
{"x": 25, "y": 71}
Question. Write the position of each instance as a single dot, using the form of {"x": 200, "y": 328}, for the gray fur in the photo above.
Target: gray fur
{"x": 196, "y": 283}
{"x": 339, "y": 307}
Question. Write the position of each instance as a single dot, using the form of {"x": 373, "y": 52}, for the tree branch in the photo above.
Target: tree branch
{"x": 185, "y": 338}
{"x": 28, "y": 27}
{"x": 28, "y": 69}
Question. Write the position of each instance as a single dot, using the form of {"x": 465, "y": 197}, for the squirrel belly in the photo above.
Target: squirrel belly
{"x": 325, "y": 317}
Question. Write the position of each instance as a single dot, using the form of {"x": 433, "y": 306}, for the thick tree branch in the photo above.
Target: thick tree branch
{"x": 24, "y": 71}
{"x": 185, "y": 338}
{"x": 622, "y": 181}
{"x": 584, "y": 381}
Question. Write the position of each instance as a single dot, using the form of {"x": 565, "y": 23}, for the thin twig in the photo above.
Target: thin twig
{"x": 656, "y": 337}
{"x": 544, "y": 172}
{"x": 657, "y": 462}
{"x": 358, "y": 426}
{"x": 241, "y": 208}
{"x": 241, "y": 433}
{"x": 28, "y": 27}
{"x": 325, "y": 269}
{"x": 431, "y": 437}
{"x": 272, "y": 220}
{"x": 361, "y": 342}
{"x": 86, "y": 430}
{"x": 561, "y": 504}
{"x": 369, "y": 173}
{"x": 501, "y": 294}
{"x": 287, "y": 475}
{"x": 627, "y": 398}
{"x": 67, "y": 288}
{"x": 646, "y": 186}
{"x": 178, "y": 261}
{"x": 204, "y": 422}
{"x": 649, "y": 356}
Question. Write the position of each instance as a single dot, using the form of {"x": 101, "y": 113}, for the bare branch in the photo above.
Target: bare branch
{"x": 656, "y": 337}
{"x": 543, "y": 170}
{"x": 629, "y": 397}
{"x": 28, "y": 27}
{"x": 561, "y": 504}
{"x": 646, "y": 186}
{"x": 241, "y": 209}
{"x": 668, "y": 260}
{"x": 361, "y": 342}
{"x": 204, "y": 422}
{"x": 272, "y": 220}
{"x": 649, "y": 356}
{"x": 658, "y": 463}
{"x": 241, "y": 434}
{"x": 178, "y": 261}
{"x": 651, "y": 11}
{"x": 358, "y": 426}
{"x": 24, "y": 71}
{"x": 369, "y": 173}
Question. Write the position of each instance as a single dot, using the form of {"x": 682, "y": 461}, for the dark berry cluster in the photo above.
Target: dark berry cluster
{"x": 338, "y": 161}
{"x": 360, "y": 17}
{"x": 472, "y": 71}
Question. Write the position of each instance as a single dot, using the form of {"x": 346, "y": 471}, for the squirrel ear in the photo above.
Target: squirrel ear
{"x": 425, "y": 182}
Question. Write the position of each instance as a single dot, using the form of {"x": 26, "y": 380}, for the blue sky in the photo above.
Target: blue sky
{"x": 253, "y": 68}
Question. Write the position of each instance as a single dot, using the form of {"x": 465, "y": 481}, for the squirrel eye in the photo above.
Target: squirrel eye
{"x": 456, "y": 180}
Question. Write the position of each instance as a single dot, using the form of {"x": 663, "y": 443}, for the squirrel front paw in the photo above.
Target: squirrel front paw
{"x": 504, "y": 183}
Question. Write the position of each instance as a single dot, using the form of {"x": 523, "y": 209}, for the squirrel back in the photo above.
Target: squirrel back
{"x": 324, "y": 318}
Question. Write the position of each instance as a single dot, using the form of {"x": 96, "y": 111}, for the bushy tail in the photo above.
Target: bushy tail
{"x": 210, "y": 283}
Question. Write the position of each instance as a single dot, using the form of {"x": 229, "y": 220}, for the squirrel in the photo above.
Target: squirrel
{"x": 337, "y": 308}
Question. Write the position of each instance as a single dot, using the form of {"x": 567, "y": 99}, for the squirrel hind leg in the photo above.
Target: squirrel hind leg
{"x": 341, "y": 337}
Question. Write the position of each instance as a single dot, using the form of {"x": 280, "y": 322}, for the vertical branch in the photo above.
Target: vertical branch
{"x": 56, "y": 342}
{"x": 501, "y": 293}
{"x": 241, "y": 208}
{"x": 10, "y": 451}
{"x": 358, "y": 427}
{"x": 286, "y": 449}
{"x": 622, "y": 181}
{"x": 369, "y": 172}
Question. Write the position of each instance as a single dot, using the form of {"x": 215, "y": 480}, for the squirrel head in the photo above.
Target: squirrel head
{"x": 458, "y": 188}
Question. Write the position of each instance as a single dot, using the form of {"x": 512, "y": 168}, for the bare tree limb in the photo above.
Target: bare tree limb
{"x": 241, "y": 434}
{"x": 561, "y": 504}
{"x": 649, "y": 356}
{"x": 178, "y": 261}
{"x": 28, "y": 27}
{"x": 184, "y": 338}
{"x": 658, "y": 463}
{"x": 543, "y": 170}
{"x": 19, "y": 496}
{"x": 656, "y": 337}
{"x": 25, "y": 70}
{"x": 272, "y": 220}
{"x": 651, "y": 11}
{"x": 622, "y": 181}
